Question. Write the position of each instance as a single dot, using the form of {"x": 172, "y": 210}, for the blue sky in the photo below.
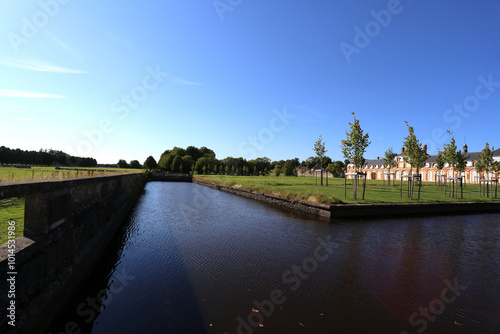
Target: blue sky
{"x": 128, "y": 79}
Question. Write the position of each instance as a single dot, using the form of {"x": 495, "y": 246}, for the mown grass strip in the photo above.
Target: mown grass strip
{"x": 305, "y": 188}
{"x": 11, "y": 209}
{"x": 12, "y": 174}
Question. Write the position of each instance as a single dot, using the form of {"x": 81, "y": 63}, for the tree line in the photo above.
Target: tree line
{"x": 43, "y": 157}
{"x": 203, "y": 161}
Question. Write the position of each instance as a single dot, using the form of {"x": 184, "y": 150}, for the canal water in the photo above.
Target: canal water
{"x": 191, "y": 259}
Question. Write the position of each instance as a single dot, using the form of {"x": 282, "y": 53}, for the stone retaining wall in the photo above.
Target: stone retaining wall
{"x": 67, "y": 226}
{"x": 171, "y": 177}
{"x": 365, "y": 211}
{"x": 318, "y": 209}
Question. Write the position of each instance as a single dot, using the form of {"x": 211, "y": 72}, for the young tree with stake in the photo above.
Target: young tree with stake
{"x": 389, "y": 156}
{"x": 450, "y": 154}
{"x": 485, "y": 160}
{"x": 320, "y": 150}
{"x": 414, "y": 154}
{"x": 439, "y": 163}
{"x": 354, "y": 147}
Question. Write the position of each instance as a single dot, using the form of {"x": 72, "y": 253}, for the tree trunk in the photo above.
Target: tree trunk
{"x": 355, "y": 183}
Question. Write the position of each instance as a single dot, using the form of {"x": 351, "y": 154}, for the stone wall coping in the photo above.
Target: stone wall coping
{"x": 16, "y": 189}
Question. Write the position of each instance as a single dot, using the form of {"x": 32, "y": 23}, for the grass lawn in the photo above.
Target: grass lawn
{"x": 11, "y": 174}
{"x": 11, "y": 209}
{"x": 304, "y": 187}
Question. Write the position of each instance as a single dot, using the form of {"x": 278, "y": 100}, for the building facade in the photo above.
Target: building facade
{"x": 376, "y": 169}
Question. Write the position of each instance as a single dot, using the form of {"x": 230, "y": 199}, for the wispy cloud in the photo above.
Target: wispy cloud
{"x": 11, "y": 106}
{"x": 63, "y": 45}
{"x": 39, "y": 66}
{"x": 31, "y": 95}
{"x": 181, "y": 81}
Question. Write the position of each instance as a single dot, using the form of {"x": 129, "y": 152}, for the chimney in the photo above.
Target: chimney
{"x": 402, "y": 150}
{"x": 424, "y": 148}
{"x": 465, "y": 149}
{"x": 378, "y": 158}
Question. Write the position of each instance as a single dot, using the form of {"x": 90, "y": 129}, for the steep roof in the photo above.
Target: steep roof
{"x": 374, "y": 162}
{"x": 318, "y": 167}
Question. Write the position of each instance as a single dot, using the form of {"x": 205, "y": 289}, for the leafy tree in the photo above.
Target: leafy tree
{"x": 289, "y": 169}
{"x": 414, "y": 153}
{"x": 135, "y": 164}
{"x": 277, "y": 170}
{"x": 187, "y": 163}
{"x": 354, "y": 146}
{"x": 150, "y": 163}
{"x": 205, "y": 165}
{"x": 260, "y": 165}
{"x": 495, "y": 167}
{"x": 440, "y": 162}
{"x": 320, "y": 150}
{"x": 450, "y": 154}
{"x": 194, "y": 152}
{"x": 249, "y": 167}
{"x": 178, "y": 151}
{"x": 176, "y": 164}
{"x": 310, "y": 162}
{"x": 485, "y": 160}
{"x": 165, "y": 162}
{"x": 389, "y": 161}
{"x": 336, "y": 168}
{"x": 44, "y": 157}
{"x": 122, "y": 164}
{"x": 461, "y": 161}
{"x": 206, "y": 152}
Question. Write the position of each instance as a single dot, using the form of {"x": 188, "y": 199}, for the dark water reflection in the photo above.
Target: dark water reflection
{"x": 195, "y": 260}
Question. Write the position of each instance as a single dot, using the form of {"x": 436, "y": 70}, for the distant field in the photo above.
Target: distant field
{"x": 11, "y": 209}
{"x": 11, "y": 174}
{"x": 305, "y": 188}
